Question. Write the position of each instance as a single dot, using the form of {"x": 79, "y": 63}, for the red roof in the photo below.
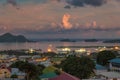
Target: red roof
{"x": 64, "y": 76}
{"x": 3, "y": 66}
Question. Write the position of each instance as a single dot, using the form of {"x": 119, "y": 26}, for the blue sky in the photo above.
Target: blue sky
{"x": 61, "y": 18}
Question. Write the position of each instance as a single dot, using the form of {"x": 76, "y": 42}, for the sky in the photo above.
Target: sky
{"x": 37, "y": 19}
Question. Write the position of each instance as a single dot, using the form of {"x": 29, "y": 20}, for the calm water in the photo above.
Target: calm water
{"x": 45, "y": 45}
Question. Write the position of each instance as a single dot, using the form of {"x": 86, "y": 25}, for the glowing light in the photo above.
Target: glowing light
{"x": 88, "y": 52}
{"x": 31, "y": 50}
{"x": 49, "y": 50}
{"x": 102, "y": 48}
{"x": 116, "y": 47}
{"x": 42, "y": 59}
{"x": 66, "y": 49}
{"x": 81, "y": 50}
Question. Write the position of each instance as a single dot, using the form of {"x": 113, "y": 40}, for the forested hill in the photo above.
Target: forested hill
{"x": 8, "y": 37}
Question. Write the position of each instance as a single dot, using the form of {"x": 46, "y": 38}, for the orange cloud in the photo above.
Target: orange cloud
{"x": 65, "y": 21}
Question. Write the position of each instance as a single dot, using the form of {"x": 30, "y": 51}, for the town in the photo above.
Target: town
{"x": 59, "y": 39}
{"x": 63, "y": 63}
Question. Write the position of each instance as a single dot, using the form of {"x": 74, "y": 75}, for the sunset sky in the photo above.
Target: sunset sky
{"x": 61, "y": 18}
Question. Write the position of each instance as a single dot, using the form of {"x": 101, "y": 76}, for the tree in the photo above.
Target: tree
{"x": 32, "y": 71}
{"x": 40, "y": 68}
{"x": 14, "y": 76}
{"x": 81, "y": 67}
{"x": 104, "y": 56}
{"x": 17, "y": 64}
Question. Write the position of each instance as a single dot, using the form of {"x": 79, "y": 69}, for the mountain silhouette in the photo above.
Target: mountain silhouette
{"x": 8, "y": 37}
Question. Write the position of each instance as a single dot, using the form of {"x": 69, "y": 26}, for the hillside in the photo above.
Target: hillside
{"x": 8, "y": 37}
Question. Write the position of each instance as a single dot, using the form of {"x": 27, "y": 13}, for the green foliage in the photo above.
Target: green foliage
{"x": 57, "y": 65}
{"x": 104, "y": 56}
{"x": 81, "y": 67}
{"x": 57, "y": 72}
{"x": 17, "y": 64}
{"x": 14, "y": 76}
{"x": 32, "y": 71}
{"x": 93, "y": 55}
{"x": 40, "y": 68}
{"x": 49, "y": 69}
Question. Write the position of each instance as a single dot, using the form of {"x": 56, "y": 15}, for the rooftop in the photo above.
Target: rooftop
{"x": 115, "y": 60}
{"x": 110, "y": 74}
{"x": 64, "y": 76}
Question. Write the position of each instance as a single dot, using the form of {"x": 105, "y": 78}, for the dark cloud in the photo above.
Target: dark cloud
{"x": 82, "y": 3}
{"x": 12, "y": 2}
{"x": 67, "y": 7}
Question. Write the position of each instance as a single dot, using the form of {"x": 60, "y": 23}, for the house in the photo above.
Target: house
{"x": 110, "y": 75}
{"x": 16, "y": 71}
{"x": 114, "y": 64}
{"x": 64, "y": 76}
{"x": 99, "y": 68}
{"x": 5, "y": 72}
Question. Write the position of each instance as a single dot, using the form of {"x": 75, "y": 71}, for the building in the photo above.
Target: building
{"x": 64, "y": 76}
{"x": 16, "y": 71}
{"x": 114, "y": 64}
{"x": 5, "y": 72}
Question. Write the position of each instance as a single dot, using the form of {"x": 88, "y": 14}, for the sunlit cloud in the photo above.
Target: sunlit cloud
{"x": 48, "y": 17}
{"x": 65, "y": 21}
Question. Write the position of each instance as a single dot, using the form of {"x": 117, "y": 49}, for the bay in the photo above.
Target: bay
{"x": 45, "y": 45}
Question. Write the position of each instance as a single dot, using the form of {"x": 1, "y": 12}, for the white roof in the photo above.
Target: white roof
{"x": 16, "y": 71}
{"x": 110, "y": 74}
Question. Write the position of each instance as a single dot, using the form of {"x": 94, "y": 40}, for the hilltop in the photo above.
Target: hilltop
{"x": 8, "y": 37}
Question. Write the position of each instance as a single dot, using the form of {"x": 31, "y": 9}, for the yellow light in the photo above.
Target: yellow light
{"x": 66, "y": 49}
{"x": 88, "y": 52}
{"x": 116, "y": 47}
{"x": 49, "y": 50}
{"x": 81, "y": 50}
{"x": 31, "y": 50}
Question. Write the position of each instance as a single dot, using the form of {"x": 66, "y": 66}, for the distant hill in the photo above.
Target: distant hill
{"x": 112, "y": 41}
{"x": 67, "y": 40}
{"x": 8, "y": 37}
{"x": 91, "y": 40}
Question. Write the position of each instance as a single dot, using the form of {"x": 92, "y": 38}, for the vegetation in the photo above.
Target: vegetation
{"x": 40, "y": 68}
{"x": 51, "y": 69}
{"x": 14, "y": 76}
{"x": 104, "y": 56}
{"x": 81, "y": 67}
{"x": 32, "y": 71}
{"x": 93, "y": 55}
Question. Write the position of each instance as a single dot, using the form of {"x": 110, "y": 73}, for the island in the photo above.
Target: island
{"x": 8, "y": 37}
{"x": 91, "y": 40}
{"x": 67, "y": 40}
{"x": 112, "y": 41}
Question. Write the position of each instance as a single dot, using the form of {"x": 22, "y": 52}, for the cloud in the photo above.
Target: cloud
{"x": 12, "y": 2}
{"x": 65, "y": 21}
{"x": 67, "y": 7}
{"x": 82, "y": 3}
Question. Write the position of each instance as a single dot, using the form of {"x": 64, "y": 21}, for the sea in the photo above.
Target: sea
{"x": 44, "y": 45}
